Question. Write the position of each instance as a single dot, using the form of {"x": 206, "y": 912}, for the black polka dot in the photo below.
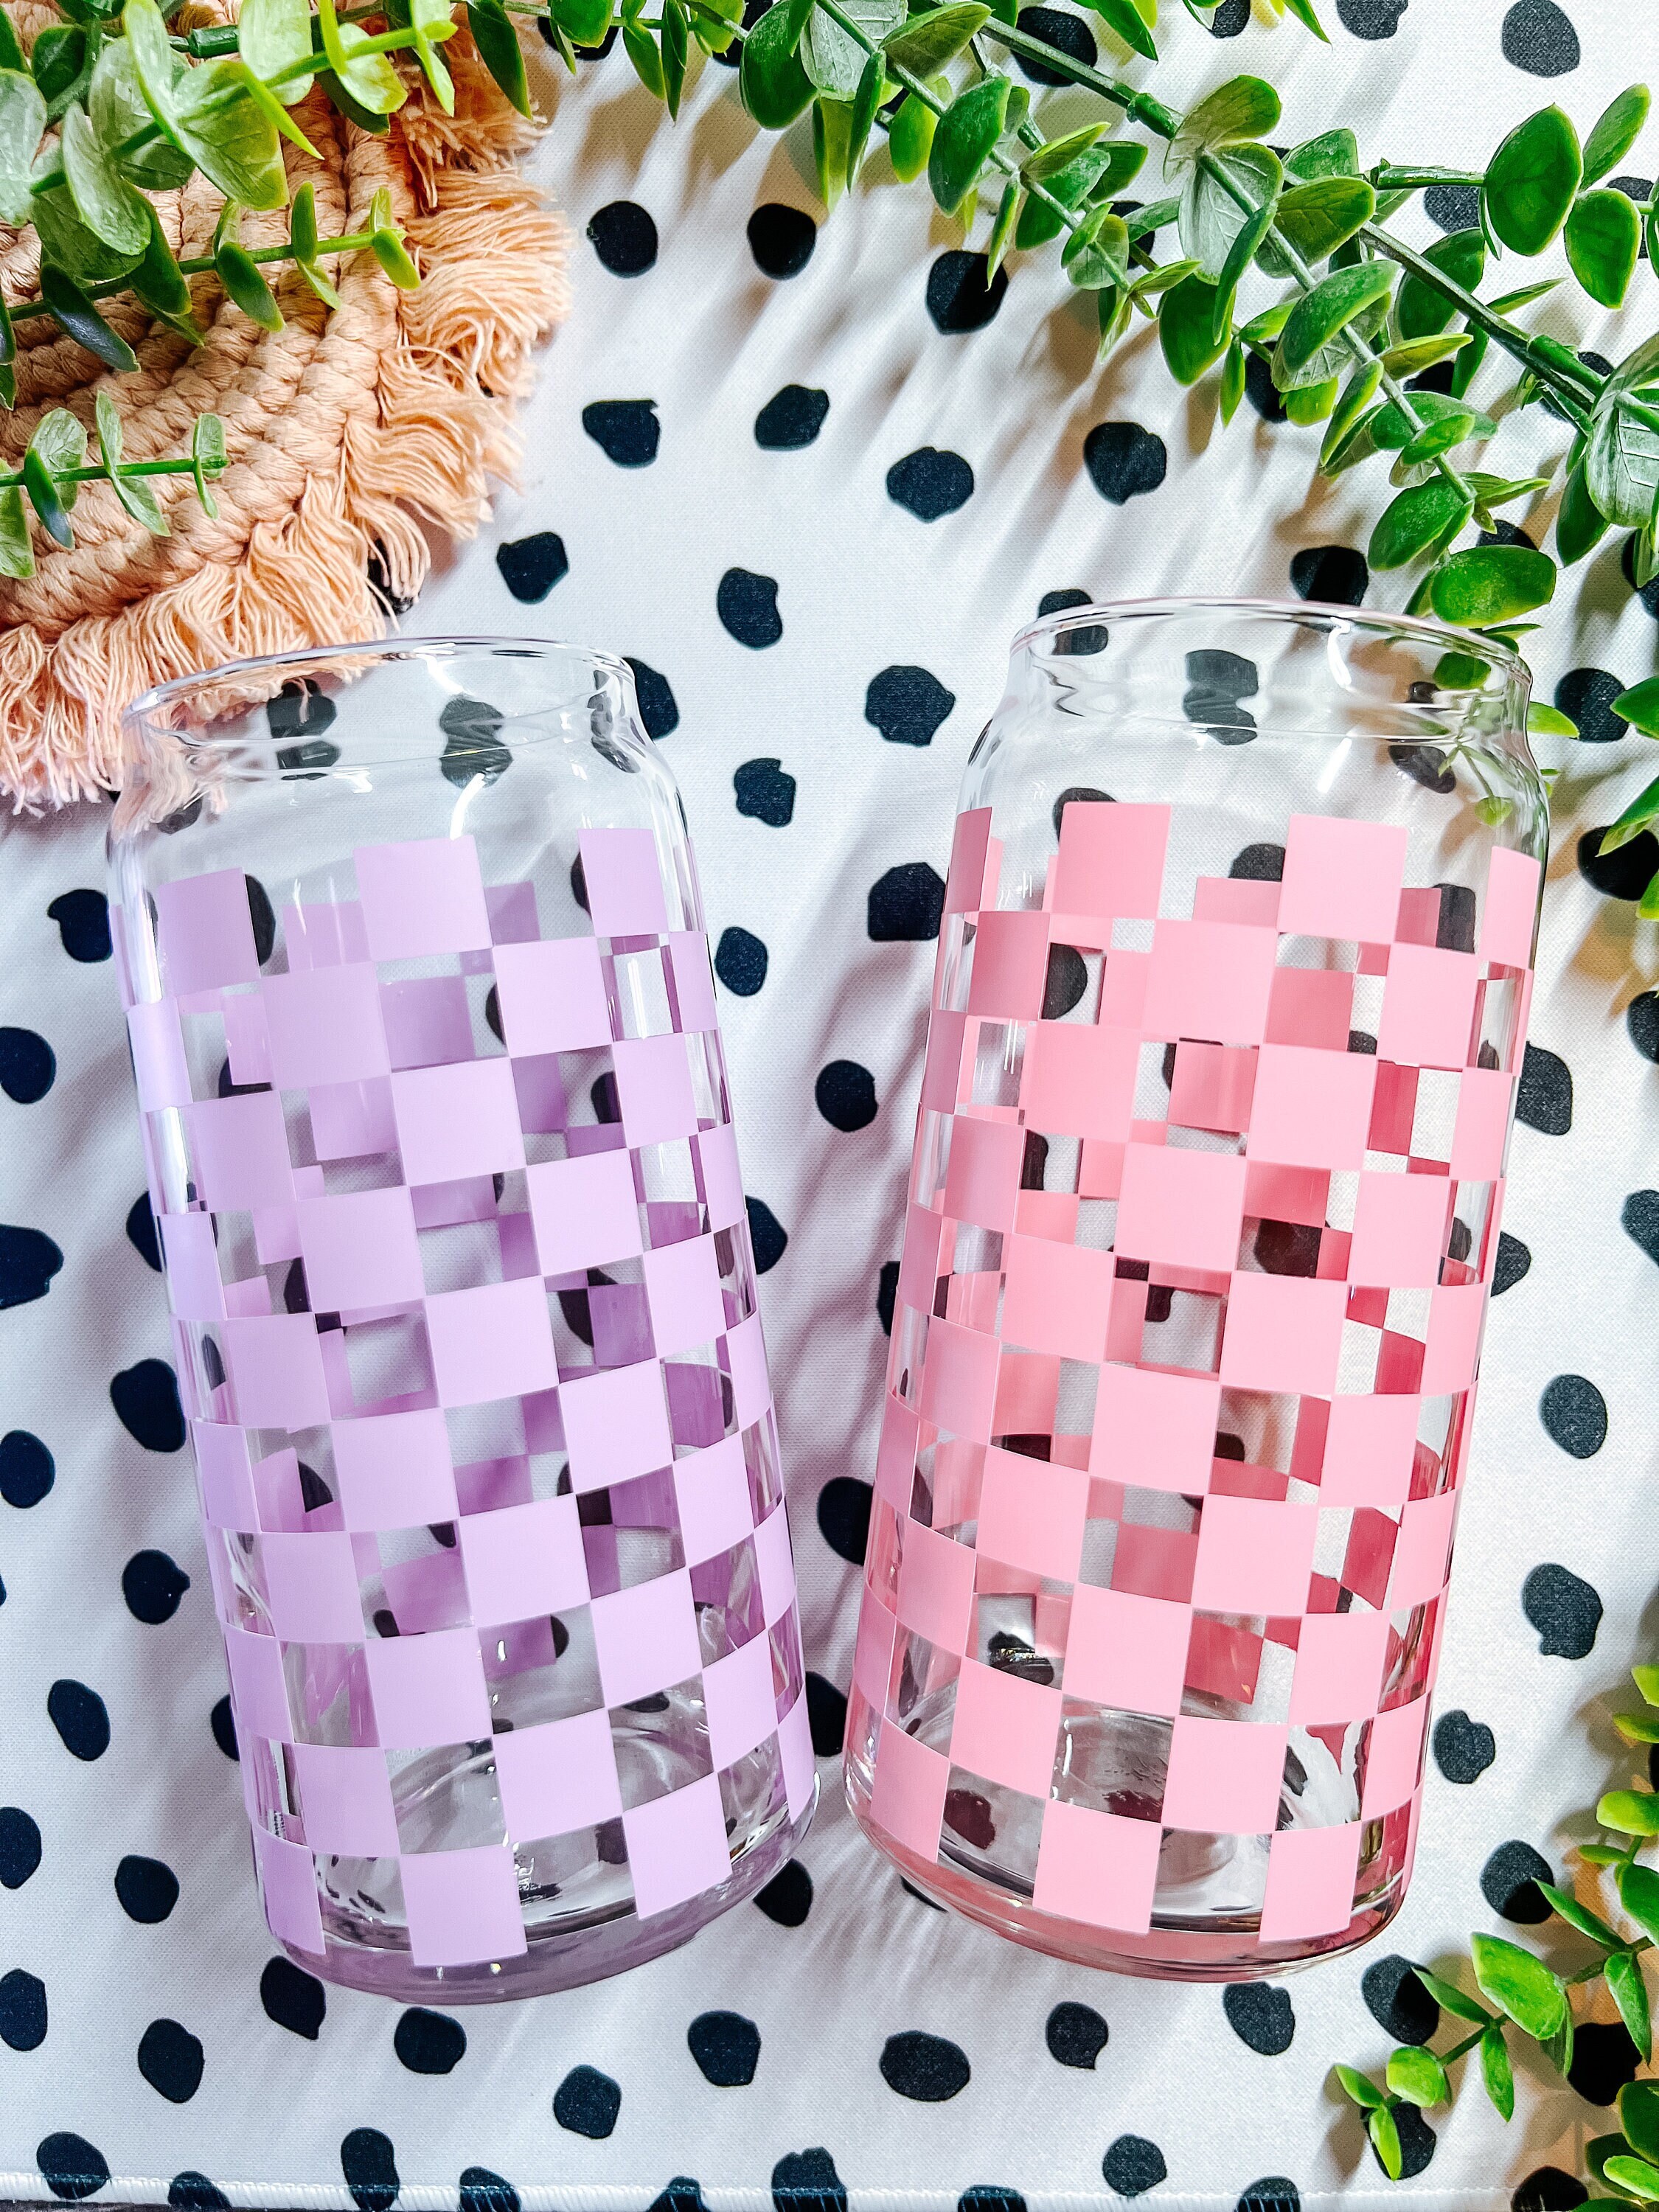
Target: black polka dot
{"x": 530, "y": 567}
{"x": 83, "y": 919}
{"x": 1417, "y": 2142}
{"x": 1261, "y": 390}
{"x": 1132, "y": 2165}
{"x": 727, "y": 2048}
{"x": 191, "y": 2191}
{"x": 659, "y": 709}
{"x": 887, "y": 1295}
{"x": 1585, "y": 696}
{"x": 792, "y": 418}
{"x": 1538, "y": 38}
{"x": 1624, "y": 873}
{"x": 1603, "y": 2059}
{"x": 370, "y": 2167}
{"x": 148, "y": 1889}
{"x": 1543, "y": 1097}
{"x": 1649, "y": 592}
{"x": 293, "y": 1999}
{"x": 301, "y": 709}
{"x": 768, "y": 1237}
{"x": 1056, "y": 27}
{"x": 141, "y": 1231}
{"x": 959, "y": 299}
{"x": 1217, "y": 682}
{"x": 1642, "y": 1020}
{"x": 930, "y": 2069}
{"x": 845, "y": 1094}
{"x": 931, "y": 482}
{"x": 146, "y": 1398}
{"x": 70, "y": 2166}
{"x": 626, "y": 430}
{"x": 22, "y": 2010}
{"x": 1511, "y": 1263}
{"x": 806, "y": 2181}
{"x": 80, "y": 1719}
{"x": 1371, "y": 19}
{"x": 1335, "y": 574}
{"x": 907, "y": 705}
{"x": 1076, "y": 2035}
{"x": 1081, "y": 639}
{"x": 152, "y": 1585}
{"x": 1463, "y": 1749}
{"x": 765, "y": 791}
{"x": 1510, "y": 1880}
{"x": 587, "y": 2102}
{"x": 28, "y": 1261}
{"x": 748, "y": 608}
{"x": 20, "y": 1846}
{"x": 474, "y": 750}
{"x": 481, "y": 2191}
{"x": 781, "y": 240}
{"x": 1227, "y": 22}
{"x": 787, "y": 1898}
{"x": 1065, "y": 982}
{"x": 263, "y": 915}
{"x": 906, "y": 904}
{"x": 429, "y": 2042}
{"x": 1564, "y": 1609}
{"x": 683, "y": 2194}
{"x": 28, "y": 1065}
{"x": 171, "y": 2059}
{"x": 844, "y": 1509}
{"x": 1258, "y": 864}
{"x": 222, "y": 1722}
{"x": 1547, "y": 2188}
{"x": 1260, "y": 2015}
{"x": 910, "y": 1890}
{"x": 1123, "y": 459}
{"x": 1397, "y": 2001}
{"x": 1272, "y": 2193}
{"x": 1085, "y": 793}
{"x": 1575, "y": 1415}
{"x": 1453, "y": 207}
{"x": 826, "y": 1714}
{"x": 27, "y": 1470}
{"x": 624, "y": 238}
{"x": 740, "y": 961}
{"x": 1639, "y": 1219}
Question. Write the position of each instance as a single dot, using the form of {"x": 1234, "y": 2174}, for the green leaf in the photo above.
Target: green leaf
{"x": 1321, "y": 315}
{"x": 1639, "y": 2116}
{"x": 1124, "y": 18}
{"x": 1639, "y": 816}
{"x": 1629, "y": 1992}
{"x": 1412, "y": 354}
{"x": 59, "y": 443}
{"x": 159, "y": 282}
{"x": 1419, "y": 311}
{"x": 1419, "y": 2076}
{"x": 1630, "y": 1812}
{"x": 239, "y": 273}
{"x": 231, "y": 141}
{"x": 1186, "y": 329}
{"x": 1598, "y": 2150}
{"x": 1356, "y": 397}
{"x": 103, "y": 198}
{"x": 1232, "y": 381}
{"x": 1211, "y": 217}
{"x": 1384, "y": 2132}
{"x": 43, "y": 497}
{"x": 1597, "y": 1854}
{"x": 1311, "y": 403}
{"x": 1640, "y": 707}
{"x": 642, "y": 50}
{"x": 432, "y": 21}
{"x": 831, "y": 136}
{"x": 1332, "y": 154}
{"x": 1304, "y": 13}
{"x": 1603, "y": 235}
{"x": 75, "y": 313}
{"x": 270, "y": 35}
{"x": 1240, "y": 254}
{"x": 1635, "y": 2177}
{"x": 775, "y": 88}
{"x": 585, "y": 22}
{"x": 1640, "y": 1727}
{"x": 1575, "y": 1915}
{"x": 863, "y": 120}
{"x": 676, "y": 34}
{"x": 368, "y": 77}
{"x": 1646, "y": 1679}
{"x": 1496, "y": 2073}
{"x": 1149, "y": 283}
{"x": 133, "y": 492}
{"x": 207, "y": 451}
{"x": 1263, "y": 329}
{"x": 967, "y": 131}
{"x": 909, "y": 141}
{"x": 1317, "y": 218}
{"x": 1002, "y": 230}
{"x": 1244, "y": 108}
{"x": 1058, "y": 152}
{"x": 22, "y": 119}
{"x": 1517, "y": 1982}
{"x": 1580, "y": 524}
{"x": 392, "y": 255}
{"x": 832, "y": 57}
{"x": 1638, "y": 1886}
{"x": 1358, "y": 2089}
{"x": 1648, "y": 905}
{"x": 1531, "y": 180}
{"x": 61, "y": 61}
{"x": 16, "y": 553}
{"x": 119, "y": 112}
{"x": 66, "y": 241}
{"x": 11, "y": 54}
{"x": 1490, "y": 584}
{"x": 1615, "y": 131}
{"x": 927, "y": 42}
{"x": 1097, "y": 255}
{"x": 1396, "y": 428}
{"x": 1147, "y": 222}
{"x": 1454, "y": 428}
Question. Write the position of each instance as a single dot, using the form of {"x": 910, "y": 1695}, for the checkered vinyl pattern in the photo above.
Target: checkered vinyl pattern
{"x": 465, "y": 1317}
{"x": 1184, "y": 1351}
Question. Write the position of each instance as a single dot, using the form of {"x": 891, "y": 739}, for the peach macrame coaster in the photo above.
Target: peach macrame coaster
{"x": 350, "y": 433}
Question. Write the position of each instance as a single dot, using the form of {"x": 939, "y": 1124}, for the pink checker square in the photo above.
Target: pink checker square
{"x": 1393, "y": 1759}
{"x": 288, "y": 1884}
{"x": 360, "y": 1249}
{"x": 456, "y": 1121}
{"x": 552, "y": 996}
{"x": 241, "y": 1152}
{"x": 351, "y": 1120}
{"x": 683, "y": 1285}
{"x": 1422, "y": 1550}
{"x": 323, "y": 936}
{"x": 427, "y": 1020}
{"x": 623, "y": 878}
{"x": 1056, "y": 1297}
{"x": 745, "y": 1362}
{"x": 584, "y": 1210}
{"x": 558, "y": 1776}
{"x": 716, "y": 1152}
{"x": 1181, "y": 1207}
{"x": 394, "y": 1471}
{"x": 1111, "y": 858}
{"x": 959, "y": 1380}
{"x": 908, "y": 1797}
{"x": 227, "y": 1479}
{"x": 192, "y": 1264}
{"x": 936, "y": 1588}
{"x": 655, "y": 1090}
{"x": 325, "y": 1026}
{"x": 275, "y": 1371}
{"x": 258, "y": 1688}
{"x": 711, "y": 1492}
{"x": 1079, "y": 1079}
{"x": 965, "y": 886}
{"x": 1311, "y": 1873}
{"x": 1210, "y": 980}
{"x": 1224, "y": 1776}
{"x": 247, "y": 1037}
{"x": 676, "y": 1846}
{"x": 524, "y": 1559}
{"x": 422, "y": 897}
{"x": 1457, "y": 1313}
{"x": 1211, "y": 1087}
{"x": 1153, "y": 1431}
{"x": 463, "y": 1906}
{"x": 982, "y": 1181}
{"x": 1311, "y": 1007}
{"x": 1369, "y": 1445}
{"x": 1339, "y": 1667}
{"x": 159, "y": 1066}
{"x": 1011, "y": 965}
{"x": 740, "y": 1701}
{"x": 1311, "y": 1108}
{"x": 693, "y": 979}
{"x": 797, "y": 1757}
{"x": 1005, "y": 1729}
{"x": 345, "y": 1800}
{"x": 1480, "y": 1133}
{"x": 493, "y": 1341}
{"x": 427, "y": 1689}
{"x": 311, "y": 1586}
{"x": 1400, "y": 1230}
{"x": 1126, "y": 1651}
{"x": 204, "y": 927}
{"x": 1097, "y": 1867}
{"x": 616, "y": 1425}
{"x": 1510, "y": 916}
{"x": 647, "y": 1637}
{"x": 1283, "y": 1332}
{"x": 1428, "y": 1006}
{"x": 1254, "y": 1556}
{"x": 1031, "y": 1513}
{"x": 774, "y": 1564}
{"x": 1341, "y": 878}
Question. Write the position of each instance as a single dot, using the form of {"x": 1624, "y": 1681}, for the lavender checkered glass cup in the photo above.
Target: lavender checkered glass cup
{"x": 1227, "y": 1018}
{"x": 440, "y": 1149}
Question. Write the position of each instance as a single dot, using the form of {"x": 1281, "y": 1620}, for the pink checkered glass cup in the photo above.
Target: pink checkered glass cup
{"x": 1228, "y": 1014}
{"x": 464, "y": 1309}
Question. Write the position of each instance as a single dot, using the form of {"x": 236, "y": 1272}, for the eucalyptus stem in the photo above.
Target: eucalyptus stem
{"x": 97, "y": 473}
{"x": 1140, "y": 107}
{"x": 202, "y": 264}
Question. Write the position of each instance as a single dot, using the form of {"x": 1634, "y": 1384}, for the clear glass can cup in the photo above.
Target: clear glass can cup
{"x": 1228, "y": 1015}
{"x": 465, "y": 1323}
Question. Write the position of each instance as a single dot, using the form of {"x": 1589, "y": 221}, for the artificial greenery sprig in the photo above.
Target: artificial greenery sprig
{"x": 55, "y": 466}
{"x": 1524, "y": 1993}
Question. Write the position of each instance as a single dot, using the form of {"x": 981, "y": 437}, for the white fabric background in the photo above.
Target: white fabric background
{"x": 862, "y": 584}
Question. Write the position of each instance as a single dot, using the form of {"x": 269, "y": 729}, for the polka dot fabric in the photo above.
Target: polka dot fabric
{"x": 708, "y": 284}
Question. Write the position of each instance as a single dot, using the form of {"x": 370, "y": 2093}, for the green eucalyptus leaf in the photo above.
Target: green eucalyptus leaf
{"x": 1071, "y": 186}
{"x": 1629, "y": 1992}
{"x": 585, "y": 22}
{"x": 1332, "y": 154}
{"x": 1211, "y": 217}
{"x": 230, "y": 138}
{"x": 1244, "y": 108}
{"x": 1496, "y": 2073}
{"x": 104, "y": 200}
{"x": 1311, "y": 403}
{"x": 1123, "y": 18}
{"x": 51, "y": 509}
{"x": 1058, "y": 154}
{"x": 1603, "y": 235}
{"x": 1185, "y": 320}
{"x": 911, "y": 140}
{"x": 715, "y": 36}
{"x": 1097, "y": 255}
{"x": 335, "y": 94}
{"x": 239, "y": 273}
{"x": 1305, "y": 13}
{"x": 11, "y": 53}
{"x": 1638, "y": 1728}
{"x": 133, "y": 492}
{"x": 1395, "y": 429}
{"x": 1147, "y": 222}
{"x": 432, "y": 21}
{"x": 1615, "y": 131}
{"x": 676, "y": 36}
{"x": 1640, "y": 708}
{"x": 1002, "y": 230}
{"x": 119, "y": 112}
{"x": 1358, "y": 2089}
{"x": 1232, "y": 380}
{"x": 1531, "y": 180}
{"x": 967, "y": 131}
{"x": 23, "y": 119}
{"x": 927, "y": 42}
{"x": 1517, "y": 1982}
{"x": 1418, "y": 2075}
{"x": 61, "y": 61}
{"x": 1646, "y": 1679}
{"x": 1240, "y": 254}
{"x": 832, "y": 122}
{"x": 775, "y": 88}
{"x": 16, "y": 553}
{"x": 1455, "y": 427}
{"x": 1316, "y": 219}
{"x": 75, "y": 313}
{"x": 66, "y": 241}
{"x": 159, "y": 283}
{"x": 207, "y": 451}
{"x": 1263, "y": 329}
{"x": 368, "y": 77}
{"x": 392, "y": 255}
{"x": 1639, "y": 816}
{"x": 1356, "y": 397}
{"x": 1621, "y": 463}
{"x": 1417, "y": 521}
{"x": 863, "y": 121}
{"x": 643, "y": 51}
{"x": 1412, "y": 354}
{"x": 1639, "y": 2116}
{"x": 1598, "y": 1854}
{"x": 1421, "y": 311}
{"x": 270, "y": 36}
{"x": 1112, "y": 310}
{"x": 1579, "y": 524}
{"x": 1321, "y": 314}
{"x": 1490, "y": 584}
{"x": 832, "y": 57}
{"x": 1575, "y": 1915}
{"x": 1635, "y": 2177}
{"x": 1149, "y": 283}
{"x": 1384, "y": 2132}
{"x": 1466, "y": 362}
